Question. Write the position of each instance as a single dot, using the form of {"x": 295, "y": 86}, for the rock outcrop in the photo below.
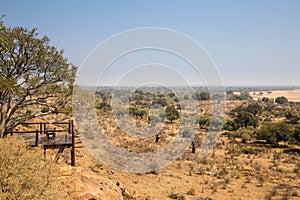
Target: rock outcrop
{"x": 85, "y": 185}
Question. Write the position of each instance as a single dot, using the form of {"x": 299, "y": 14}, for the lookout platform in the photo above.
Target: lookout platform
{"x": 58, "y": 135}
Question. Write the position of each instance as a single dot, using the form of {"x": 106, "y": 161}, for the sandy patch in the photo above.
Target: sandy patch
{"x": 291, "y": 95}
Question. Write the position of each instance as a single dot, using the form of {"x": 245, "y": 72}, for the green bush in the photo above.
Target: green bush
{"x": 104, "y": 106}
{"x": 274, "y": 132}
{"x": 281, "y": 100}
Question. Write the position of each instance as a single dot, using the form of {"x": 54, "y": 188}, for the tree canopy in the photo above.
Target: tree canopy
{"x": 275, "y": 132}
{"x": 292, "y": 116}
{"x": 245, "y": 119}
{"x": 33, "y": 75}
{"x": 281, "y": 100}
{"x": 172, "y": 113}
{"x": 204, "y": 96}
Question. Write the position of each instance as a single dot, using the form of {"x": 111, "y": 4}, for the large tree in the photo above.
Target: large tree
{"x": 281, "y": 100}
{"x": 172, "y": 113}
{"x": 245, "y": 119}
{"x": 33, "y": 75}
{"x": 275, "y": 132}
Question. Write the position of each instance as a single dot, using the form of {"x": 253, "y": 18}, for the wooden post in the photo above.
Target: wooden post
{"x": 71, "y": 127}
{"x": 36, "y": 138}
{"x": 156, "y": 138}
{"x": 69, "y": 130}
{"x": 44, "y": 128}
{"x": 41, "y": 128}
{"x": 193, "y": 147}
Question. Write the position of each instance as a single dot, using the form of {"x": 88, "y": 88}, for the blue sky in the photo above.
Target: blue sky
{"x": 253, "y": 42}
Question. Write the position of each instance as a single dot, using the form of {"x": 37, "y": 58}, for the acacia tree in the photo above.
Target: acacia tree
{"x": 204, "y": 122}
{"x": 275, "y": 132}
{"x": 292, "y": 116}
{"x": 245, "y": 119}
{"x": 172, "y": 113}
{"x": 33, "y": 74}
{"x": 281, "y": 100}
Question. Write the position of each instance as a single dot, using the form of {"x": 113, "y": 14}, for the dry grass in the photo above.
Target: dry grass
{"x": 25, "y": 175}
{"x": 218, "y": 176}
{"x": 291, "y": 95}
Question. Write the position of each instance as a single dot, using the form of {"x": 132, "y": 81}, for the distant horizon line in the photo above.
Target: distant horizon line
{"x": 225, "y": 86}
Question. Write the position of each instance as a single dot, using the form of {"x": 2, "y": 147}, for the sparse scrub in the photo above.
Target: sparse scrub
{"x": 191, "y": 192}
{"x": 295, "y": 194}
{"x": 251, "y": 150}
{"x": 247, "y": 180}
{"x": 177, "y": 196}
{"x": 261, "y": 181}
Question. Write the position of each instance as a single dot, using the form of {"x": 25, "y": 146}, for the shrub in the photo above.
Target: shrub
{"x": 223, "y": 172}
{"x": 191, "y": 192}
{"x": 172, "y": 113}
{"x": 45, "y": 109}
{"x": 177, "y": 196}
{"x": 295, "y": 194}
{"x": 274, "y": 132}
{"x": 251, "y": 150}
{"x": 28, "y": 112}
{"x": 104, "y": 106}
{"x": 281, "y": 100}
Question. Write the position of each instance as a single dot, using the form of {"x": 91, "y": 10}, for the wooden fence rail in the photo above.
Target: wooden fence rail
{"x": 58, "y": 140}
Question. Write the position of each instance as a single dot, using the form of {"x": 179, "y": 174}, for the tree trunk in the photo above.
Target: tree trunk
{"x": 193, "y": 147}
{"x": 156, "y": 138}
{"x": 2, "y": 128}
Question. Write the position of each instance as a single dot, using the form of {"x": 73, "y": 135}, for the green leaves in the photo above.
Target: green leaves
{"x": 275, "y": 132}
{"x": 31, "y": 69}
{"x": 281, "y": 100}
{"x": 7, "y": 84}
{"x": 172, "y": 113}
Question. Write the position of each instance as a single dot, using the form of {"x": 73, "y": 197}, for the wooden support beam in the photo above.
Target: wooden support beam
{"x": 41, "y": 128}
{"x": 44, "y": 128}
{"x": 36, "y": 138}
{"x": 61, "y": 141}
{"x": 69, "y": 127}
{"x": 73, "y": 144}
{"x": 193, "y": 147}
{"x": 60, "y": 151}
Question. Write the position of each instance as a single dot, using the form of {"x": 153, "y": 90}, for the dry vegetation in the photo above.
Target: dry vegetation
{"x": 25, "y": 175}
{"x": 292, "y": 95}
{"x": 232, "y": 171}
{"x": 239, "y": 167}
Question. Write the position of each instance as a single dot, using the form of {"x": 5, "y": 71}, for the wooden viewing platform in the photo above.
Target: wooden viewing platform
{"x": 49, "y": 137}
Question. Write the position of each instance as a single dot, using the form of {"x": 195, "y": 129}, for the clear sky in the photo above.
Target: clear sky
{"x": 254, "y": 42}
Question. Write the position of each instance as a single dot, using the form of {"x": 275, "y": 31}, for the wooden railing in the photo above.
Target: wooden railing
{"x": 43, "y": 129}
